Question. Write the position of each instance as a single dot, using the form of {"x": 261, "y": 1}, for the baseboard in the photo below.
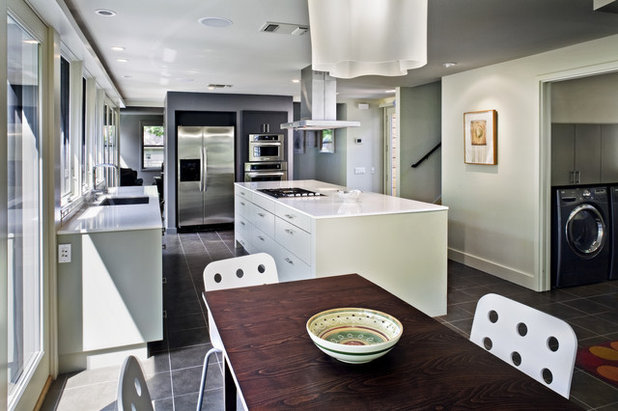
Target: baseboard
{"x": 506, "y": 273}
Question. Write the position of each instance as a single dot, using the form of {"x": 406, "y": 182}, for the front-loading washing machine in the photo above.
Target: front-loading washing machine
{"x": 613, "y": 201}
{"x": 581, "y": 244}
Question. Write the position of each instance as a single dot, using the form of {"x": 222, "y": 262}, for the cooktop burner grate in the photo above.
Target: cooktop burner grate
{"x": 289, "y": 192}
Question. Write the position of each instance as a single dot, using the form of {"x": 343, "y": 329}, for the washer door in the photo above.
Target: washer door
{"x": 585, "y": 231}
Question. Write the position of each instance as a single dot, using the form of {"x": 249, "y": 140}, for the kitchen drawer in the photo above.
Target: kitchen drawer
{"x": 262, "y": 219}
{"x": 293, "y": 238}
{"x": 243, "y": 192}
{"x": 290, "y": 267}
{"x": 265, "y": 202}
{"x": 242, "y": 226}
{"x": 263, "y": 243}
{"x": 241, "y": 205}
{"x": 292, "y": 216}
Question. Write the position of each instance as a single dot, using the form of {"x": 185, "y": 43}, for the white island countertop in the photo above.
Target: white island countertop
{"x": 95, "y": 218}
{"x": 330, "y": 205}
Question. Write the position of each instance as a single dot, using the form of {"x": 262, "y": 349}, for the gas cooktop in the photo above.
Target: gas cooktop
{"x": 289, "y": 192}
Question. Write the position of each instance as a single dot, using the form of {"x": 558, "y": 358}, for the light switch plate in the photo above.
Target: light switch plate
{"x": 64, "y": 253}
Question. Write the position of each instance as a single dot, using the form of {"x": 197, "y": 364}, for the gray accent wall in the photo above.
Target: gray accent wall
{"x": 179, "y": 102}
{"x": 130, "y": 130}
{"x": 419, "y": 113}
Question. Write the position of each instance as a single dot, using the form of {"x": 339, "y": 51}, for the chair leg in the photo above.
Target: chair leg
{"x": 204, "y": 373}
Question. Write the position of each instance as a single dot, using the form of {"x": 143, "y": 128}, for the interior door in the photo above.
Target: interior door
{"x": 190, "y": 176}
{"x": 219, "y": 165}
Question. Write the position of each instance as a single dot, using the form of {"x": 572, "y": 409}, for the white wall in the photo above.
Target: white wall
{"x": 369, "y": 153}
{"x": 495, "y": 220}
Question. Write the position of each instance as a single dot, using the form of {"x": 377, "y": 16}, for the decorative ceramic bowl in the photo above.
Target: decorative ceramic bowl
{"x": 348, "y": 194}
{"x": 354, "y": 335}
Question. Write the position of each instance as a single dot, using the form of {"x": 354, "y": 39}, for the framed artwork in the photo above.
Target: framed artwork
{"x": 327, "y": 141}
{"x": 299, "y": 142}
{"x": 480, "y": 137}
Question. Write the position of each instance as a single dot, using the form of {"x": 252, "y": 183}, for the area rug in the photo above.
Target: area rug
{"x": 600, "y": 360}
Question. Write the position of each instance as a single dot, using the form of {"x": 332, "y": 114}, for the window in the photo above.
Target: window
{"x": 23, "y": 207}
{"x": 65, "y": 140}
{"x": 152, "y": 146}
{"x": 84, "y": 162}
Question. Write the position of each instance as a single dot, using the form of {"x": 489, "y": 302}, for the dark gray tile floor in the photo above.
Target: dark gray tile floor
{"x": 174, "y": 368}
{"x": 592, "y": 311}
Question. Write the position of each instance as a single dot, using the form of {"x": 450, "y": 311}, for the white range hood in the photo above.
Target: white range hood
{"x": 318, "y": 103}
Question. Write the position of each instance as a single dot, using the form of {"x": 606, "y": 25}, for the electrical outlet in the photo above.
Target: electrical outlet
{"x": 64, "y": 253}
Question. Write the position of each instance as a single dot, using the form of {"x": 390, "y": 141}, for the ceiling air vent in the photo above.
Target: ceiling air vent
{"x": 284, "y": 28}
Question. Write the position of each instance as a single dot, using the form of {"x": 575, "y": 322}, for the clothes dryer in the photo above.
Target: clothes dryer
{"x": 581, "y": 244}
{"x": 613, "y": 201}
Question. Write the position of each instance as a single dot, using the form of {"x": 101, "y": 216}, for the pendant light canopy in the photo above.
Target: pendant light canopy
{"x": 351, "y": 38}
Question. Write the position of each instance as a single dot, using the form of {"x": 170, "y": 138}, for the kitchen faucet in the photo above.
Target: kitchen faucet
{"x": 94, "y": 175}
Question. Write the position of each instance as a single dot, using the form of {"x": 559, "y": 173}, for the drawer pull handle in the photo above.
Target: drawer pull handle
{"x": 290, "y": 232}
{"x": 242, "y": 223}
{"x": 261, "y": 238}
{"x": 241, "y": 203}
{"x": 287, "y": 260}
{"x": 242, "y": 194}
{"x": 261, "y": 214}
{"x": 290, "y": 216}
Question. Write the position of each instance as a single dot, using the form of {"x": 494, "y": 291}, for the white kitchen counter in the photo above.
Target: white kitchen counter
{"x": 396, "y": 243}
{"x": 95, "y": 219}
{"x": 110, "y": 296}
{"x": 330, "y": 205}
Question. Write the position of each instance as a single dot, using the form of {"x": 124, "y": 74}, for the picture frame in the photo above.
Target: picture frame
{"x": 327, "y": 141}
{"x": 480, "y": 137}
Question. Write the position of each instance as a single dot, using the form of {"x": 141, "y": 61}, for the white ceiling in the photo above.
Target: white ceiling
{"x": 169, "y": 50}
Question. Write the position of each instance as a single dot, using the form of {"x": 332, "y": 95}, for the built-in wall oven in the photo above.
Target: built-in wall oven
{"x": 266, "y": 171}
{"x": 266, "y": 147}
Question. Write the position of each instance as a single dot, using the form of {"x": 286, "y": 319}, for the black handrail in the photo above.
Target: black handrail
{"x": 426, "y": 156}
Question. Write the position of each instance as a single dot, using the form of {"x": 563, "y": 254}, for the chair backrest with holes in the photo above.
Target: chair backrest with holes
{"x": 538, "y": 344}
{"x": 133, "y": 392}
{"x": 244, "y": 271}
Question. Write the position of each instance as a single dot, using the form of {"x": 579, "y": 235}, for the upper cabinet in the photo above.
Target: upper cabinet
{"x": 584, "y": 154}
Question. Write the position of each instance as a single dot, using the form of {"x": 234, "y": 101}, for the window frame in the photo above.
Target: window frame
{"x": 150, "y": 123}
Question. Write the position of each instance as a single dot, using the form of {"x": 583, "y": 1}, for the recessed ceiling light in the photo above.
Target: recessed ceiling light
{"x": 122, "y": 60}
{"x": 215, "y": 21}
{"x": 295, "y": 80}
{"x": 117, "y": 48}
{"x": 390, "y": 91}
{"x": 449, "y": 64}
{"x": 105, "y": 12}
{"x": 31, "y": 41}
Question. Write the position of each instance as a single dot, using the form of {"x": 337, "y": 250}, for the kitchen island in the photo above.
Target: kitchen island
{"x": 398, "y": 244}
{"x": 110, "y": 301}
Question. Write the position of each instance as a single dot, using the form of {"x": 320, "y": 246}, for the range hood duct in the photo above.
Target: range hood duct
{"x": 318, "y": 103}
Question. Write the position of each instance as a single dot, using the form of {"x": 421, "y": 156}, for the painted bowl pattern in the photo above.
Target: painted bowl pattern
{"x": 354, "y": 335}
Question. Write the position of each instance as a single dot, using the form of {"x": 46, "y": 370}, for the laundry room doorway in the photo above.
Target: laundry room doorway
{"x": 579, "y": 144}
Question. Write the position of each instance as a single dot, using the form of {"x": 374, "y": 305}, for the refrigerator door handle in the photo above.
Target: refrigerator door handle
{"x": 204, "y": 168}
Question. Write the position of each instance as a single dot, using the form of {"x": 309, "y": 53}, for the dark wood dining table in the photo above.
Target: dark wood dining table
{"x": 274, "y": 363}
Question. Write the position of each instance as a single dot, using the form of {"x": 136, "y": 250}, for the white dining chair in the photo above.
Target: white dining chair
{"x": 538, "y": 344}
{"x": 245, "y": 271}
{"x": 133, "y": 392}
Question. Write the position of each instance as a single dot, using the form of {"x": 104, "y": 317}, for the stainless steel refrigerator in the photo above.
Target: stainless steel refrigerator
{"x": 205, "y": 175}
